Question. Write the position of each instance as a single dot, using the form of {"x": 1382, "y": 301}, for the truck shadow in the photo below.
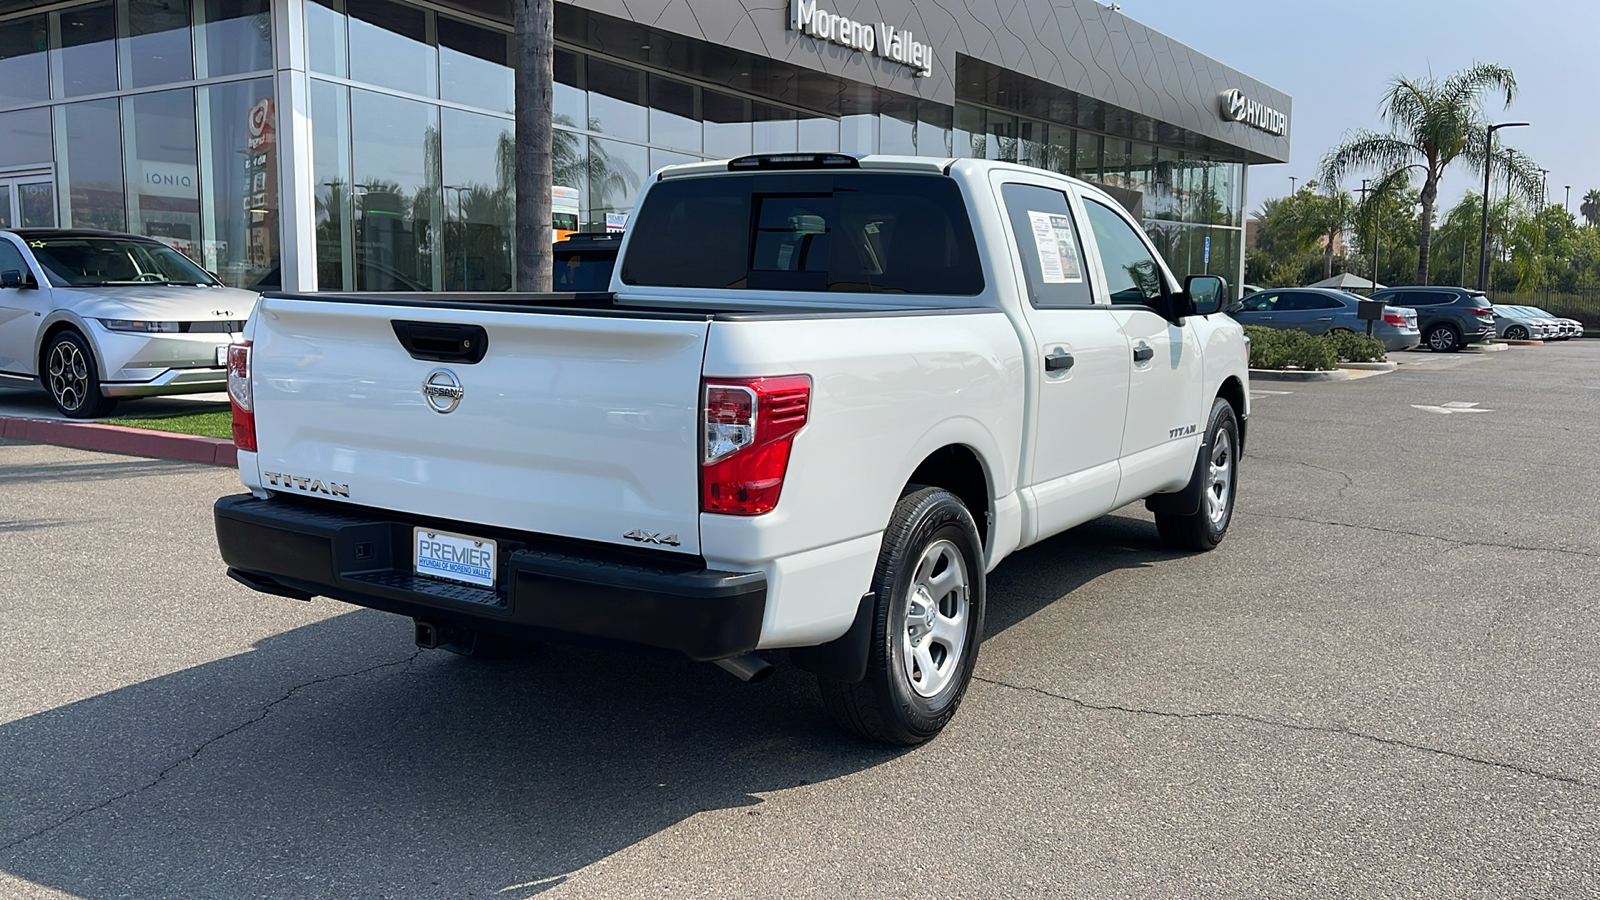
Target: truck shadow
{"x": 332, "y": 762}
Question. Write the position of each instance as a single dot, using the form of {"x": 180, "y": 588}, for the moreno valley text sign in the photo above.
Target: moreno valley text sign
{"x": 889, "y": 42}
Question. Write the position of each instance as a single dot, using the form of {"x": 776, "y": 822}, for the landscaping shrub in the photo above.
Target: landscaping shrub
{"x": 1357, "y": 347}
{"x": 1271, "y": 348}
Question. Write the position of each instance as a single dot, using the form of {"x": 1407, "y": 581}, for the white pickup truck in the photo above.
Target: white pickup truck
{"x": 824, "y": 397}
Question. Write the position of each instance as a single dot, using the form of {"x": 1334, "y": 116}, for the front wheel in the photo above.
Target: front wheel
{"x": 1516, "y": 333}
{"x": 926, "y": 626}
{"x": 1218, "y": 471}
{"x": 72, "y": 377}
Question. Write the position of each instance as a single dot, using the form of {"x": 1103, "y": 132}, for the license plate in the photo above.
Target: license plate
{"x": 455, "y": 557}
{"x": 222, "y": 355}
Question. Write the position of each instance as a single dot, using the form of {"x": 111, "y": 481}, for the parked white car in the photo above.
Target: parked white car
{"x": 94, "y": 316}
{"x": 825, "y": 396}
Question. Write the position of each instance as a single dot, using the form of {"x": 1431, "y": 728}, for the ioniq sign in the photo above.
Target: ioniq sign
{"x": 1236, "y": 107}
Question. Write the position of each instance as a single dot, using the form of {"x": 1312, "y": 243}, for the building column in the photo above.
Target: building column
{"x": 297, "y": 192}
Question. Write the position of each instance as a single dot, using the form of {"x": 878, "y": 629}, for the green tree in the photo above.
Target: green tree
{"x": 1433, "y": 123}
{"x": 1590, "y": 208}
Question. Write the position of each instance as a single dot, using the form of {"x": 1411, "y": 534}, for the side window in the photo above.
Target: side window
{"x": 1132, "y": 275}
{"x": 1262, "y": 301}
{"x": 1322, "y": 301}
{"x": 1425, "y": 298}
{"x": 1047, "y": 238}
{"x": 1292, "y": 302}
{"x": 11, "y": 258}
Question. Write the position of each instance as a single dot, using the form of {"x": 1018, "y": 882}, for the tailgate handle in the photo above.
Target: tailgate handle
{"x": 442, "y": 342}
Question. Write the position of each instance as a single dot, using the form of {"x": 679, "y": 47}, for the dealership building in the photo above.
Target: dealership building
{"x": 366, "y": 144}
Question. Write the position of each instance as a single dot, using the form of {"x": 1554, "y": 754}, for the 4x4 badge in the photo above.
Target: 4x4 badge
{"x": 648, "y": 537}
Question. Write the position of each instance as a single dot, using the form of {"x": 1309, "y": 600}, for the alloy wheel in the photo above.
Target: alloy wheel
{"x": 68, "y": 374}
{"x": 1219, "y": 482}
{"x": 1441, "y": 339}
{"x": 935, "y": 630}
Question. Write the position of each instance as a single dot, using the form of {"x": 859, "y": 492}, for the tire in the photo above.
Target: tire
{"x": 1205, "y": 528}
{"x": 71, "y": 375}
{"x": 923, "y": 647}
{"x": 1443, "y": 339}
{"x": 1516, "y": 333}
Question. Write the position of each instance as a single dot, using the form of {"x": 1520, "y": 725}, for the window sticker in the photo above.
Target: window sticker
{"x": 1058, "y": 249}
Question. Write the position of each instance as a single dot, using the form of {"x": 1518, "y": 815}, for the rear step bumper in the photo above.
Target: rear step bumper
{"x": 545, "y": 587}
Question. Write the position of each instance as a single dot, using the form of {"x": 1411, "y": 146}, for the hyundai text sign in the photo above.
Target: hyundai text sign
{"x": 887, "y": 41}
{"x": 1236, "y": 107}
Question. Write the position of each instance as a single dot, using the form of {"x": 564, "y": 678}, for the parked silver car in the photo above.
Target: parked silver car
{"x": 1566, "y": 328}
{"x": 1516, "y": 323}
{"x": 93, "y": 316}
{"x": 1325, "y": 310}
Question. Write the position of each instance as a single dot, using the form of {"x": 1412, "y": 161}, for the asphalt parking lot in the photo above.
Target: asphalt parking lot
{"x": 1385, "y": 683}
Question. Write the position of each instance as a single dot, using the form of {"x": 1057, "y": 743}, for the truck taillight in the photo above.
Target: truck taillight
{"x": 748, "y": 425}
{"x": 241, "y": 397}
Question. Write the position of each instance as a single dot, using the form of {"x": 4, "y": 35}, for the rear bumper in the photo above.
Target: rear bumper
{"x": 545, "y": 587}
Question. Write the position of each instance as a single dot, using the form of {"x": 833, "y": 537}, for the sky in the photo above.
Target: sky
{"x": 1336, "y": 59}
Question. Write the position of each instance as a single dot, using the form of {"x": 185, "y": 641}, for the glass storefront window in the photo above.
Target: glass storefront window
{"x": 897, "y": 127}
{"x": 968, "y": 138}
{"x": 326, "y": 37}
{"x": 819, "y": 135}
{"x": 615, "y": 172}
{"x": 474, "y": 65}
{"x": 616, "y": 100}
{"x": 933, "y": 129}
{"x": 1033, "y": 143}
{"x": 395, "y": 147}
{"x": 163, "y": 169}
{"x": 85, "y": 62}
{"x": 858, "y": 133}
{"x": 479, "y": 201}
{"x": 727, "y": 125}
{"x": 1086, "y": 165}
{"x": 236, "y": 37}
{"x": 569, "y": 166}
{"x": 1142, "y": 170}
{"x": 24, "y": 60}
{"x": 89, "y": 165}
{"x": 1000, "y": 137}
{"x": 672, "y": 117}
{"x": 25, "y": 138}
{"x": 330, "y": 166}
{"x": 389, "y": 47}
{"x": 158, "y": 49}
{"x": 569, "y": 104}
{"x": 661, "y": 158}
{"x": 1114, "y": 163}
{"x": 239, "y": 189}
{"x": 1058, "y": 149}
{"x": 776, "y": 130}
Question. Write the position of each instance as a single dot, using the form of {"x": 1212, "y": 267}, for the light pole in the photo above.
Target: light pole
{"x": 1567, "y": 203}
{"x": 1292, "y": 180}
{"x": 1544, "y": 189}
{"x": 1483, "y": 234}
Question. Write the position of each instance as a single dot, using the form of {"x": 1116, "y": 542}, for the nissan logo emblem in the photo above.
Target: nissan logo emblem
{"x": 442, "y": 390}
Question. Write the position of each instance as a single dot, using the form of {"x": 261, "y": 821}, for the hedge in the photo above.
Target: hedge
{"x": 1272, "y": 348}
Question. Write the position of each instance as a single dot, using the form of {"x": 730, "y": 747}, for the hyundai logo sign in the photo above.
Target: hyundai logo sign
{"x": 1236, "y": 107}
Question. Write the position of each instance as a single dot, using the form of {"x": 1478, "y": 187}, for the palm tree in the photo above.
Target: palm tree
{"x": 534, "y": 64}
{"x": 1432, "y": 124}
{"x": 1590, "y": 207}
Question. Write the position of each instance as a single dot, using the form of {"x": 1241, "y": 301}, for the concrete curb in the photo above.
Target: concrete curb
{"x": 1371, "y": 366}
{"x": 119, "y": 439}
{"x": 1522, "y": 343}
{"x": 1297, "y": 375}
{"x": 1484, "y": 348}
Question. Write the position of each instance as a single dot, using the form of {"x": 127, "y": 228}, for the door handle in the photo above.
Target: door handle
{"x": 1325, "y": 318}
{"x": 1143, "y": 354}
{"x": 1059, "y": 361}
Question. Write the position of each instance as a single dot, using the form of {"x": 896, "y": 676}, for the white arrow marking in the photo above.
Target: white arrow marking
{"x": 1448, "y": 409}
{"x": 1458, "y": 404}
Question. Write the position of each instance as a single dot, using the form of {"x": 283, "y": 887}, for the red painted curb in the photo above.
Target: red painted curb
{"x": 1522, "y": 343}
{"x": 118, "y": 439}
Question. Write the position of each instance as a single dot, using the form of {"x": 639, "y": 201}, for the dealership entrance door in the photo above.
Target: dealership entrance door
{"x": 27, "y": 201}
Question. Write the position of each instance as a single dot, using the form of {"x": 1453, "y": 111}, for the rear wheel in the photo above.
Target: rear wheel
{"x": 1443, "y": 339}
{"x": 71, "y": 375}
{"x": 1205, "y": 528}
{"x": 926, "y": 627}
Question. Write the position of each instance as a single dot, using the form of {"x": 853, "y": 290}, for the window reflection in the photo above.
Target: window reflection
{"x": 164, "y": 169}
{"x": 395, "y": 146}
{"x": 389, "y": 47}
{"x": 774, "y": 130}
{"x": 479, "y": 197}
{"x": 727, "y": 125}
{"x": 614, "y": 173}
{"x": 238, "y": 37}
{"x": 616, "y": 100}
{"x": 672, "y": 117}
{"x": 474, "y": 65}
{"x": 85, "y": 61}
{"x": 24, "y": 60}
{"x": 330, "y": 167}
{"x": 92, "y": 176}
{"x": 157, "y": 50}
{"x": 25, "y": 137}
{"x": 326, "y": 36}
{"x": 241, "y": 217}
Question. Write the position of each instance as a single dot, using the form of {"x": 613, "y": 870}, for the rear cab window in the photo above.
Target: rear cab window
{"x": 1048, "y": 242}
{"x": 870, "y": 233}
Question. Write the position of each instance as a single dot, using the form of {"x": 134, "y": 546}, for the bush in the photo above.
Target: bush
{"x": 1271, "y": 348}
{"x": 1355, "y": 347}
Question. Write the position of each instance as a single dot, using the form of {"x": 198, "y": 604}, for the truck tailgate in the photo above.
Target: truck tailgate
{"x": 576, "y": 424}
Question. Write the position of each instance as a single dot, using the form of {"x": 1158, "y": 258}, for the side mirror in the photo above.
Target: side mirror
{"x": 1206, "y": 293}
{"x": 13, "y": 278}
{"x": 1236, "y": 306}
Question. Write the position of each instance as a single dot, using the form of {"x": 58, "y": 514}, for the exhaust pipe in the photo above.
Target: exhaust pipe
{"x": 748, "y": 668}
